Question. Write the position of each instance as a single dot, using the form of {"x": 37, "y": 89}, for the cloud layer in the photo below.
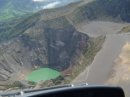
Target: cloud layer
{"x": 39, "y": 0}
{"x": 54, "y": 3}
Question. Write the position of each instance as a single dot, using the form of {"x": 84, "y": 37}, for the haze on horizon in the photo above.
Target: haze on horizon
{"x": 55, "y": 3}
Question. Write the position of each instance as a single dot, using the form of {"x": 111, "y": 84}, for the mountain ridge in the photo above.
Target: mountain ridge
{"x": 49, "y": 38}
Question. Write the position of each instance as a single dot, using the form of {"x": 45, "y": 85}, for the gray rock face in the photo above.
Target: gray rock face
{"x": 63, "y": 44}
{"x": 51, "y": 43}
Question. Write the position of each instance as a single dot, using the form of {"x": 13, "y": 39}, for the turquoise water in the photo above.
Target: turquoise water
{"x": 43, "y": 74}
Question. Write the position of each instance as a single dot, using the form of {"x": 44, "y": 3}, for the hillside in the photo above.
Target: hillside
{"x": 76, "y": 13}
{"x": 50, "y": 39}
{"x": 37, "y": 43}
{"x": 14, "y": 8}
{"x": 46, "y": 39}
{"x": 102, "y": 10}
{"x": 18, "y": 8}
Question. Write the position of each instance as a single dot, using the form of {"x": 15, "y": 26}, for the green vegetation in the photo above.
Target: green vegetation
{"x": 50, "y": 83}
{"x": 13, "y": 86}
{"x": 14, "y": 27}
{"x": 10, "y": 10}
{"x": 43, "y": 74}
{"x": 17, "y": 84}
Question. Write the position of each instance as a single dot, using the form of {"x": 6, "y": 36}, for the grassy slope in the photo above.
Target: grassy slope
{"x": 9, "y": 11}
{"x": 125, "y": 29}
{"x": 6, "y": 28}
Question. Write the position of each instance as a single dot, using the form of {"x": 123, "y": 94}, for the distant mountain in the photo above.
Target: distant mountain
{"x": 116, "y": 8}
{"x": 38, "y": 41}
{"x": 16, "y": 8}
{"x": 49, "y": 37}
{"x": 110, "y": 10}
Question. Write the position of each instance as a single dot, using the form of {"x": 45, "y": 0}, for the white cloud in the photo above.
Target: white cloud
{"x": 54, "y": 3}
{"x": 39, "y": 0}
{"x": 51, "y": 5}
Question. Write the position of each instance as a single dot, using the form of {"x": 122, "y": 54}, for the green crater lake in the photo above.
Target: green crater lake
{"x": 43, "y": 74}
